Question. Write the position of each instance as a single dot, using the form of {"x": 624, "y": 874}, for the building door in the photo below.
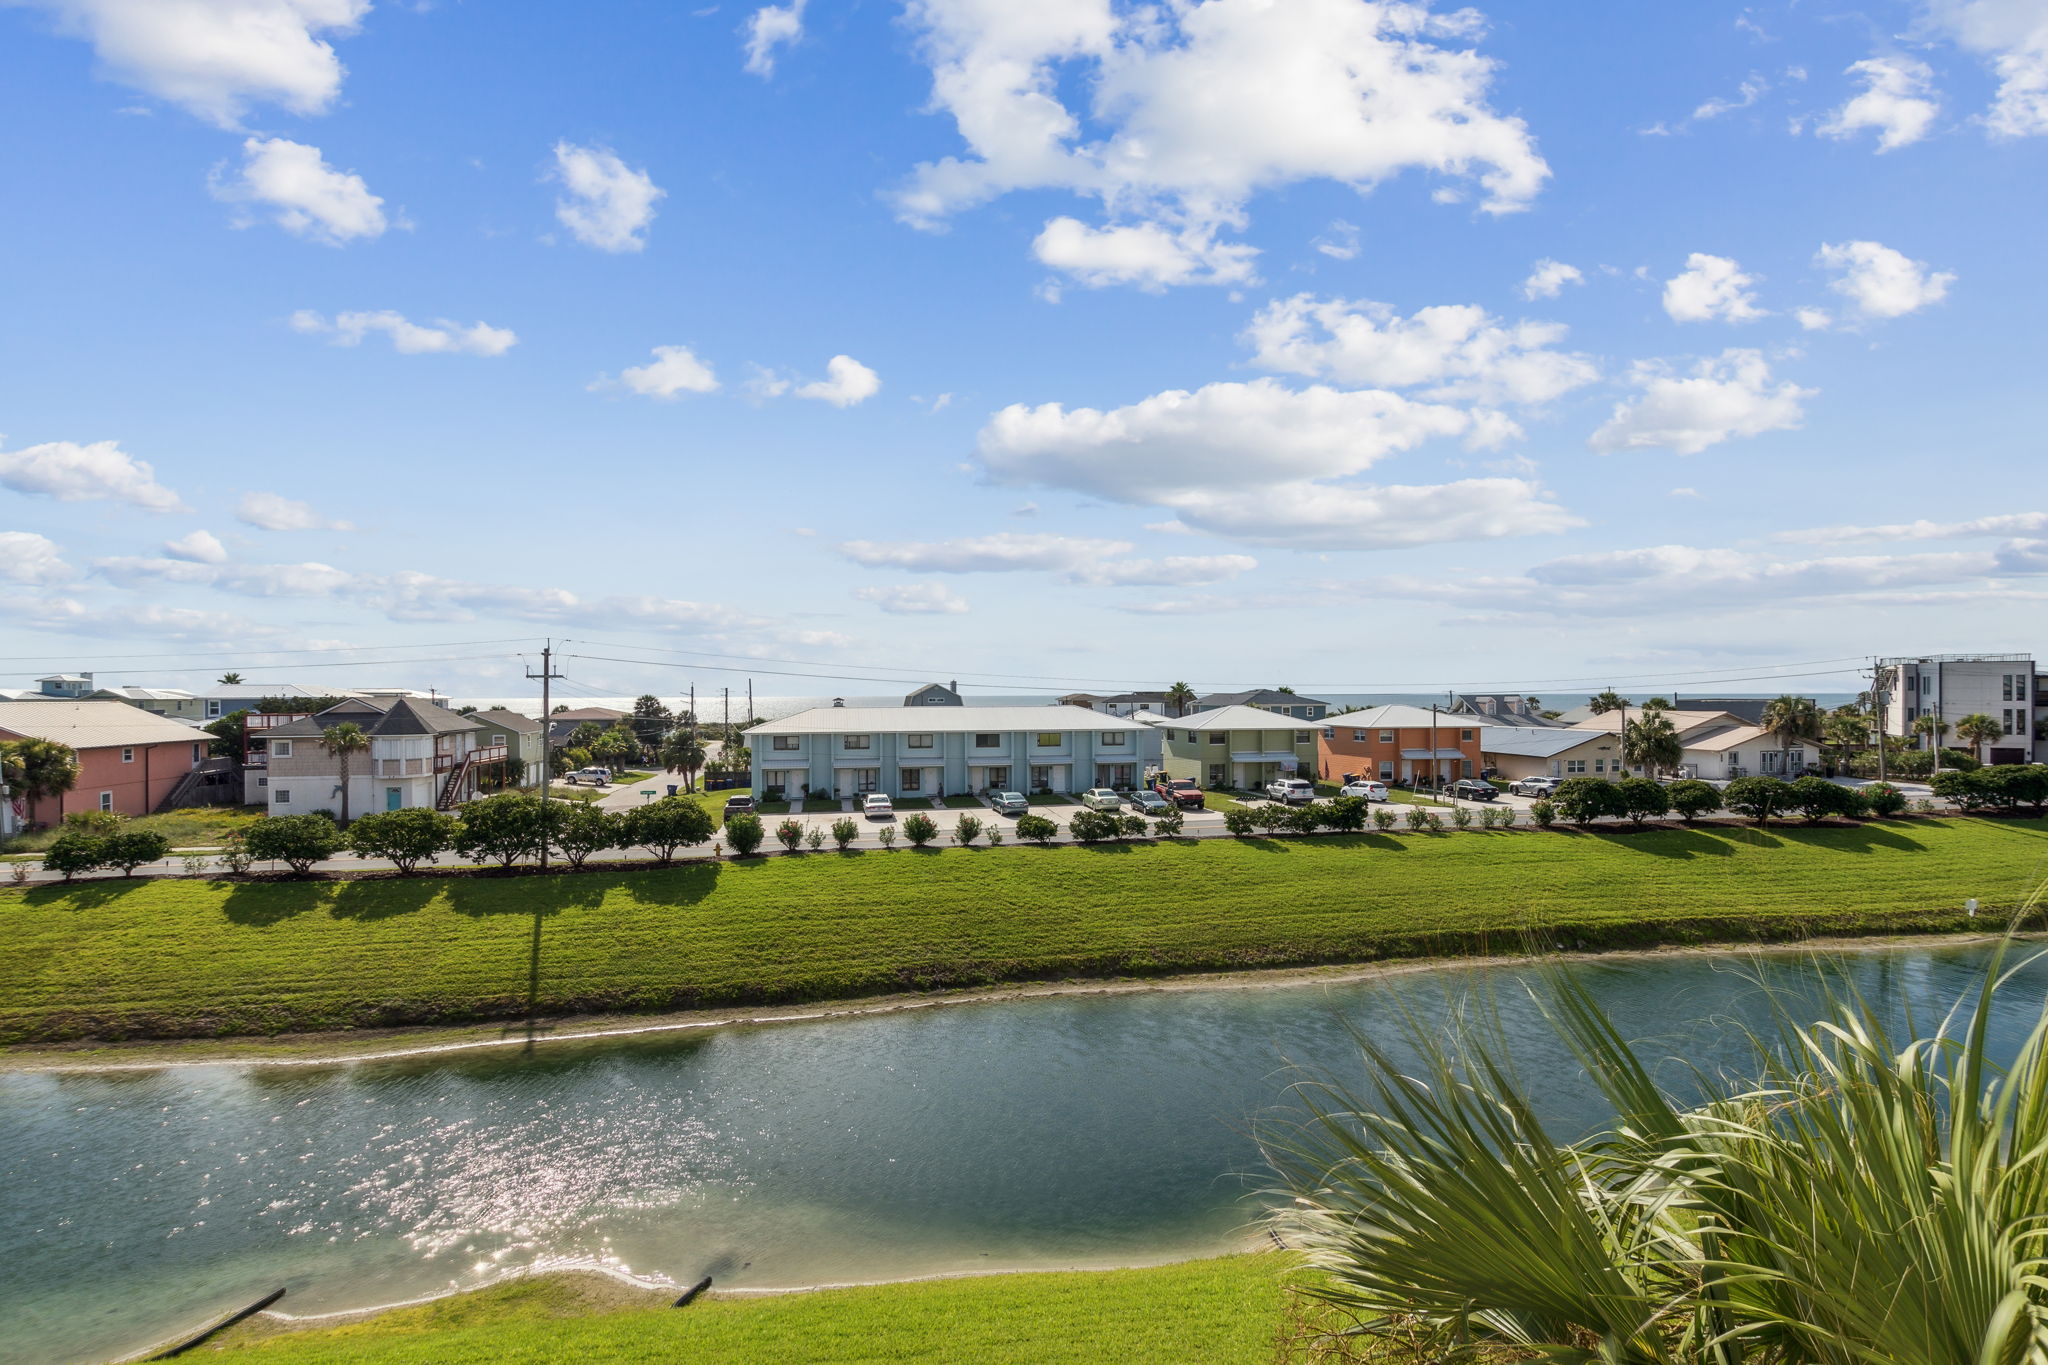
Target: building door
{"x": 394, "y": 798}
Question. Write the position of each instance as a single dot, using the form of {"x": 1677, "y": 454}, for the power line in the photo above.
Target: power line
{"x": 244, "y": 654}
{"x": 353, "y": 663}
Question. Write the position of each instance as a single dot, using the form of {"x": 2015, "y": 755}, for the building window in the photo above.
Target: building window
{"x": 909, "y": 779}
{"x": 262, "y": 781}
{"x": 1049, "y": 739}
{"x": 1386, "y": 736}
{"x": 988, "y": 741}
{"x": 106, "y": 800}
{"x": 497, "y": 739}
{"x": 1217, "y": 737}
{"x": 1575, "y": 765}
{"x": 1386, "y": 770}
{"x": 1113, "y": 741}
{"x": 198, "y": 754}
{"x": 127, "y": 753}
{"x": 1358, "y": 736}
{"x": 1041, "y": 779}
{"x": 1468, "y": 767}
{"x": 917, "y": 741}
{"x": 2008, "y": 721}
{"x": 786, "y": 743}
{"x": 855, "y": 742}
{"x": 1600, "y": 765}
{"x": 282, "y": 748}
{"x": 212, "y": 710}
{"x": 1464, "y": 734}
{"x": 1303, "y": 736}
{"x": 281, "y": 795}
{"x": 1329, "y": 732}
{"x": 1215, "y": 774}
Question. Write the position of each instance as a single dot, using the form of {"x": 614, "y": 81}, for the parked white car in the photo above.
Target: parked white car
{"x": 878, "y": 806}
{"x": 1293, "y": 791}
{"x": 1101, "y": 798}
{"x": 596, "y": 777}
{"x": 1533, "y": 786}
{"x": 1371, "y": 791}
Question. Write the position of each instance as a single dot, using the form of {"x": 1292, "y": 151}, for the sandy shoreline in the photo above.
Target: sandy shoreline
{"x": 332, "y": 1049}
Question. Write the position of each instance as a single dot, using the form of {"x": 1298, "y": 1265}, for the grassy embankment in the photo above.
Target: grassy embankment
{"x": 195, "y": 827}
{"x": 1228, "y": 1311}
{"x": 192, "y": 958}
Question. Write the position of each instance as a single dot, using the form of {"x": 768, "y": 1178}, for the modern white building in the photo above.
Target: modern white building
{"x": 934, "y": 751}
{"x": 1951, "y": 686}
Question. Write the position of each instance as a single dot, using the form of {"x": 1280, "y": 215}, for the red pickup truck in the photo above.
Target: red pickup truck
{"x": 1182, "y": 791}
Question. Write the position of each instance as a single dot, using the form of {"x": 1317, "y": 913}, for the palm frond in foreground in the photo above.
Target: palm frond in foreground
{"x": 1861, "y": 1197}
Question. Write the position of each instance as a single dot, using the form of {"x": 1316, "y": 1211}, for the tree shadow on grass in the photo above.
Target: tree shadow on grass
{"x": 1681, "y": 844}
{"x": 1858, "y": 838}
{"x": 86, "y": 895}
{"x": 269, "y": 902}
{"x": 375, "y": 898}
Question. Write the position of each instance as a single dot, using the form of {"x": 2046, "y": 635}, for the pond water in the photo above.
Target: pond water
{"x": 1061, "y": 1131}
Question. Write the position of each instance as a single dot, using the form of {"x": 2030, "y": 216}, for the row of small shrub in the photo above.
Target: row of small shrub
{"x": 2003, "y": 788}
{"x": 1582, "y": 800}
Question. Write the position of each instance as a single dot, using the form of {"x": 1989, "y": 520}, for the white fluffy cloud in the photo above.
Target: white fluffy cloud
{"x": 609, "y": 204}
{"x": 1258, "y": 461}
{"x": 217, "y": 57}
{"x": 1723, "y": 397}
{"x": 26, "y": 557}
{"x": 2013, "y": 36}
{"x": 1458, "y": 350}
{"x": 1548, "y": 278}
{"x": 274, "y": 512}
{"x": 846, "y": 383}
{"x": 305, "y": 196}
{"x": 1170, "y": 571}
{"x": 2001, "y": 524}
{"x": 200, "y": 547}
{"x": 1881, "y": 282}
{"x": 1142, "y": 254}
{"x": 1201, "y": 107}
{"x": 98, "y": 472}
{"x": 768, "y": 28}
{"x": 1897, "y": 101}
{"x": 675, "y": 370}
{"x": 1004, "y": 552}
{"x": 441, "y": 337}
{"x": 915, "y": 599}
{"x": 1711, "y": 287}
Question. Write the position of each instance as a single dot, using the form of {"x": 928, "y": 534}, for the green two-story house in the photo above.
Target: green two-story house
{"x": 1240, "y": 747}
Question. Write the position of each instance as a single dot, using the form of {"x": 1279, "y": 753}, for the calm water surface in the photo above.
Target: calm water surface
{"x": 1079, "y": 1131}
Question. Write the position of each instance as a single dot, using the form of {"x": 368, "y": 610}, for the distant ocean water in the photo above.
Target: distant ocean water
{"x": 711, "y": 707}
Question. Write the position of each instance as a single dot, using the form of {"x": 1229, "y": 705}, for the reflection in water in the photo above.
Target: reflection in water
{"x": 1069, "y": 1131}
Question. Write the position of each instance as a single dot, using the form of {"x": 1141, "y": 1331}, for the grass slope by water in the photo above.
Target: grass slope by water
{"x": 191, "y": 958}
{"x": 1227, "y": 1311}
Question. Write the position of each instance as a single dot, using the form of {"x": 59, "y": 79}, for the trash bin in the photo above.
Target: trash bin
{"x": 671, "y": 789}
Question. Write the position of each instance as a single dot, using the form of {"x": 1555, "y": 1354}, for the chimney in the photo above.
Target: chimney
{"x": 953, "y": 687}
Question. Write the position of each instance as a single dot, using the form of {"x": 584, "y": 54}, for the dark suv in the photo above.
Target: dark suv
{"x": 743, "y": 804}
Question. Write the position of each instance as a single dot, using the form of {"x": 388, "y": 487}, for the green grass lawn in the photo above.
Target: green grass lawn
{"x": 821, "y": 805}
{"x": 193, "y": 827}
{"x": 1223, "y": 801}
{"x": 913, "y": 803}
{"x": 1049, "y": 799}
{"x": 1401, "y": 796}
{"x": 1227, "y": 1311}
{"x": 958, "y": 802}
{"x": 184, "y": 957}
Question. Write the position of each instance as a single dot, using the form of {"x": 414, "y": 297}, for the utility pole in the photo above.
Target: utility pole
{"x": 546, "y": 675}
{"x": 1436, "y": 772}
{"x": 750, "y": 701}
{"x": 727, "y": 691}
{"x": 1877, "y": 713}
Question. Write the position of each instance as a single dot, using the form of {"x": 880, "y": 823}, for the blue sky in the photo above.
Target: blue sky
{"x": 1082, "y": 340}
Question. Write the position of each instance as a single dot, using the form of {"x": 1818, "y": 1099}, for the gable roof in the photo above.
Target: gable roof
{"x": 1719, "y": 741}
{"x": 583, "y": 713}
{"x": 1240, "y": 718}
{"x": 91, "y": 723}
{"x": 934, "y": 694}
{"x": 1687, "y": 723}
{"x": 509, "y": 720}
{"x": 1529, "y": 741}
{"x": 409, "y": 717}
{"x": 1258, "y": 696}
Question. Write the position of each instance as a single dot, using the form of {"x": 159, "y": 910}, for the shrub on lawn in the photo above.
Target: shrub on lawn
{"x": 1507, "y": 816}
{"x": 966, "y": 830}
{"x": 1347, "y": 813}
{"x": 581, "y": 829}
{"x": 234, "y": 853}
{"x": 502, "y": 829}
{"x": 1434, "y": 821}
{"x": 790, "y": 833}
{"x": 1418, "y": 818}
{"x": 1132, "y": 827}
{"x": 98, "y": 822}
{"x": 1037, "y": 828}
{"x": 1383, "y": 819}
{"x": 1582, "y": 800}
{"x": 1884, "y": 799}
{"x": 1963, "y": 790}
{"x": 1544, "y": 813}
{"x": 406, "y": 838}
{"x": 814, "y": 839}
{"x": 297, "y": 841}
{"x": 1693, "y": 798}
{"x": 1093, "y": 826}
{"x": 131, "y": 848}
{"x": 844, "y": 832}
{"x": 887, "y": 834}
{"x": 1461, "y": 816}
{"x": 73, "y": 853}
{"x": 1816, "y": 798}
{"x": 1240, "y": 822}
{"x": 2020, "y": 785}
{"x": 920, "y": 829}
{"x": 1640, "y": 798}
{"x": 744, "y": 832}
{"x": 661, "y": 827}
{"x": 1168, "y": 826}
{"x": 1755, "y": 798}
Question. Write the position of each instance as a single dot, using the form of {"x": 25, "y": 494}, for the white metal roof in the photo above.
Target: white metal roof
{"x": 949, "y": 720}
{"x": 1241, "y": 718}
{"x": 1528, "y": 741}
{"x": 90, "y": 724}
{"x": 1722, "y": 740}
{"x": 1398, "y": 716}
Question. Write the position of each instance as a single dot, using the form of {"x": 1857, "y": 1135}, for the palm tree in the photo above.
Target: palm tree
{"x": 1847, "y": 729}
{"x": 38, "y": 769}
{"x": 1611, "y": 700}
{"x": 228, "y": 678}
{"x": 1859, "y": 1196}
{"x": 1652, "y": 742}
{"x": 1791, "y": 720}
{"x": 683, "y": 752}
{"x": 1180, "y": 697}
{"x": 344, "y": 742}
{"x": 1931, "y": 728}
{"x": 1980, "y": 730}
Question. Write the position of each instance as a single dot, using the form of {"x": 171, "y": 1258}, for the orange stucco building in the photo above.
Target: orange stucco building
{"x": 1394, "y": 744}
